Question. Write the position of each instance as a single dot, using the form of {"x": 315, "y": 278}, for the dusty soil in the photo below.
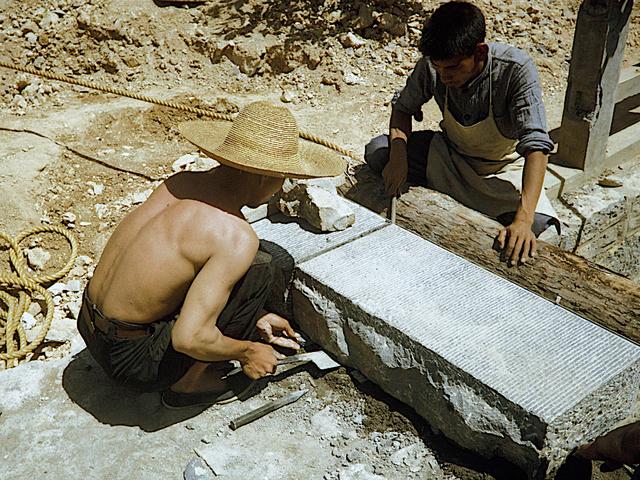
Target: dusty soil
{"x": 66, "y": 149}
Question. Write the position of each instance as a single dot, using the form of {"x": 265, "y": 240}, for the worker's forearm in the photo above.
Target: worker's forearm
{"x": 399, "y": 126}
{"x": 532, "y": 181}
{"x": 210, "y": 345}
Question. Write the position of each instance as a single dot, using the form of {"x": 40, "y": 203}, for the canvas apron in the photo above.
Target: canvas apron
{"x": 476, "y": 165}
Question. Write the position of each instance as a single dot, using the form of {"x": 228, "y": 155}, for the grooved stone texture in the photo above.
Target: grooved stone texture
{"x": 291, "y": 242}
{"x": 496, "y": 368}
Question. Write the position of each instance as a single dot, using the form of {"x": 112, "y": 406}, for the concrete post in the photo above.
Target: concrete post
{"x": 598, "y": 48}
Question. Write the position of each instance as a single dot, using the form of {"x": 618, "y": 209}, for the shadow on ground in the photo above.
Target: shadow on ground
{"x": 89, "y": 387}
{"x": 307, "y": 20}
{"x": 109, "y": 403}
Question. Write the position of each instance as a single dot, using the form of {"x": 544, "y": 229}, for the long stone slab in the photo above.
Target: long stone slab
{"x": 292, "y": 241}
{"x": 496, "y": 368}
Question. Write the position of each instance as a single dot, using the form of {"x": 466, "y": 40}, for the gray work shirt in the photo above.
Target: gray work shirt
{"x": 517, "y": 97}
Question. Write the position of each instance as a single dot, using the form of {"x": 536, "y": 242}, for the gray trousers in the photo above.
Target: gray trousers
{"x": 376, "y": 154}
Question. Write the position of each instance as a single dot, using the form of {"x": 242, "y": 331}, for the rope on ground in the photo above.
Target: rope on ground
{"x": 164, "y": 103}
{"x": 14, "y": 346}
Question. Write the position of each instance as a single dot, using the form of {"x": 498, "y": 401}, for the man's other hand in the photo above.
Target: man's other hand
{"x": 517, "y": 242}
{"x": 395, "y": 172}
{"x": 276, "y": 330}
{"x": 260, "y": 360}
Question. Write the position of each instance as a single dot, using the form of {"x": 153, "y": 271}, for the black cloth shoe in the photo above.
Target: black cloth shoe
{"x": 237, "y": 386}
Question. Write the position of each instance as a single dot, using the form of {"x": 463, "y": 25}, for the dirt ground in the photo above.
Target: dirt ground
{"x": 70, "y": 150}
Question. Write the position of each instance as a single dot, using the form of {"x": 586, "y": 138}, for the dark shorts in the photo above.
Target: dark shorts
{"x": 142, "y": 357}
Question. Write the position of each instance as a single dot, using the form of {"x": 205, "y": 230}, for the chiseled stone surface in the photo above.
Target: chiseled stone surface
{"x": 292, "y": 241}
{"x": 496, "y": 368}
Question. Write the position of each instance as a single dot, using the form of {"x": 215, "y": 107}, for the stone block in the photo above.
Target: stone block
{"x": 605, "y": 240}
{"x": 291, "y": 242}
{"x": 496, "y": 368}
{"x": 623, "y": 257}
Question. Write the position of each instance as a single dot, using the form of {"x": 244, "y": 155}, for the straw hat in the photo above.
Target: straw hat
{"x": 263, "y": 139}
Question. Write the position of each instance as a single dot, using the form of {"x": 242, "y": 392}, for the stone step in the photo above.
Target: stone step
{"x": 496, "y": 368}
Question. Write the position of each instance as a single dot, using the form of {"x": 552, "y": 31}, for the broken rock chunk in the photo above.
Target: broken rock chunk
{"x": 322, "y": 207}
{"x": 351, "y": 40}
{"x": 183, "y": 162}
{"x": 37, "y": 258}
{"x": 68, "y": 217}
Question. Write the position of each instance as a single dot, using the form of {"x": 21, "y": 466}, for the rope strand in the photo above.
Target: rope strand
{"x": 12, "y": 349}
{"x": 145, "y": 98}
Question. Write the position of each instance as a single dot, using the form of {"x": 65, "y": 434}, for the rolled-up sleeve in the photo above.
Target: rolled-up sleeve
{"x": 527, "y": 111}
{"x": 416, "y": 92}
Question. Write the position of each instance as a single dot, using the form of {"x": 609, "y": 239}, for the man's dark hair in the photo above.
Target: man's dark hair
{"x": 454, "y": 29}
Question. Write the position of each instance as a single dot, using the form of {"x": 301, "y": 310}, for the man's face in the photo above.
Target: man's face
{"x": 268, "y": 186}
{"x": 457, "y": 71}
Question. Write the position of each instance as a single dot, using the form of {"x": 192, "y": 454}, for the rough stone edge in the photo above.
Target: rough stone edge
{"x": 617, "y": 398}
{"x": 451, "y": 400}
{"x": 485, "y": 421}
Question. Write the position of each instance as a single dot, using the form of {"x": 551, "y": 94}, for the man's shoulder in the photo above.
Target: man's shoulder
{"x": 509, "y": 54}
{"x": 214, "y": 227}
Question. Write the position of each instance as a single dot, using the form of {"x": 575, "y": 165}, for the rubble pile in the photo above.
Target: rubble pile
{"x": 275, "y": 45}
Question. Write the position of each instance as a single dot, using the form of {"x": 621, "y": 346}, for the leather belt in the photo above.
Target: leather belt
{"x": 107, "y": 326}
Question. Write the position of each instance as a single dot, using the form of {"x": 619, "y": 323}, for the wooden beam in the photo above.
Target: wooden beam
{"x": 594, "y": 73}
{"x": 595, "y": 293}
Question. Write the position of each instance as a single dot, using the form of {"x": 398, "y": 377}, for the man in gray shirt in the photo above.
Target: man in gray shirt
{"x": 493, "y": 114}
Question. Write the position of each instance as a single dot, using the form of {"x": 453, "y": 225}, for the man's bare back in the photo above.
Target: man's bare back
{"x": 154, "y": 255}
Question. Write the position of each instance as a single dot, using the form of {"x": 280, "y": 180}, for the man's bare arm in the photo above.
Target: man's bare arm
{"x": 195, "y": 332}
{"x": 395, "y": 172}
{"x": 518, "y": 239}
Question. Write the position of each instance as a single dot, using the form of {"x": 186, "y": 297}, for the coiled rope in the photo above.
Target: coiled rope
{"x": 157, "y": 101}
{"x": 14, "y": 346}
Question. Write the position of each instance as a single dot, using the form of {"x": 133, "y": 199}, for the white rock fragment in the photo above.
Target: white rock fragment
{"x": 57, "y": 288}
{"x": 74, "y": 308}
{"x": 76, "y": 272}
{"x": 183, "y": 162}
{"x": 351, "y": 78}
{"x": 28, "y": 321}
{"x": 37, "y": 258}
{"x": 83, "y": 260}
{"x": 95, "y": 188}
{"x": 62, "y": 329}
{"x": 288, "y": 96}
{"x": 351, "y": 40}
{"x": 358, "y": 471}
{"x": 74, "y": 285}
{"x": 205, "y": 163}
{"x": 101, "y": 210}
{"x": 140, "y": 197}
{"x": 19, "y": 101}
{"x": 48, "y": 19}
{"x": 68, "y": 217}
{"x": 322, "y": 207}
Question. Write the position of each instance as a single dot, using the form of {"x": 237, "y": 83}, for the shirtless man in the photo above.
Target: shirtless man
{"x": 188, "y": 249}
